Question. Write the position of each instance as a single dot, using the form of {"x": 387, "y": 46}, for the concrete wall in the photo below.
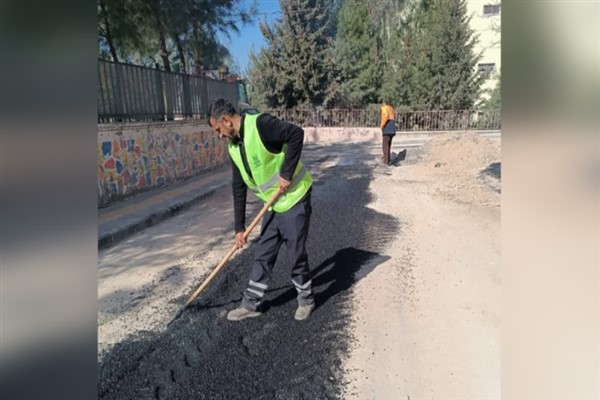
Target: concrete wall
{"x": 137, "y": 157}
{"x": 341, "y": 134}
{"x": 487, "y": 28}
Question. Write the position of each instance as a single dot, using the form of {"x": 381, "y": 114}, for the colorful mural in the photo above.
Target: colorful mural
{"x": 134, "y": 160}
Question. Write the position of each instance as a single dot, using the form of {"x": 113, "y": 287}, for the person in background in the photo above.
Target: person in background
{"x": 388, "y": 129}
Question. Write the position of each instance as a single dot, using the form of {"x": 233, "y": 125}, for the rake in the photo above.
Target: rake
{"x": 210, "y": 277}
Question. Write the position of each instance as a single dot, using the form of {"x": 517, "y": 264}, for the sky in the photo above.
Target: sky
{"x": 239, "y": 45}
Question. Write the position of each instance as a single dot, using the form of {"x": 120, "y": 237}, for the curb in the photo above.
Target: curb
{"x": 111, "y": 238}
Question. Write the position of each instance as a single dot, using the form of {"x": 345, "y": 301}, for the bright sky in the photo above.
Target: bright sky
{"x": 250, "y": 37}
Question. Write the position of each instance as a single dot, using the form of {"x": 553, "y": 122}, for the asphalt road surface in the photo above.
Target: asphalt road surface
{"x": 202, "y": 355}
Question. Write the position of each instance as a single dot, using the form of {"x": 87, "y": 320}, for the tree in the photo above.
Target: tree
{"x": 387, "y": 17}
{"x": 261, "y": 85}
{"x": 358, "y": 55}
{"x": 174, "y": 31}
{"x": 494, "y": 101}
{"x": 122, "y": 29}
{"x": 399, "y": 41}
{"x": 209, "y": 17}
{"x": 105, "y": 27}
{"x": 435, "y": 64}
{"x": 297, "y": 67}
{"x": 449, "y": 59}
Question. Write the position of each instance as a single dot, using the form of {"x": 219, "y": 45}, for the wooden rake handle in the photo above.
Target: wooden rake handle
{"x": 233, "y": 249}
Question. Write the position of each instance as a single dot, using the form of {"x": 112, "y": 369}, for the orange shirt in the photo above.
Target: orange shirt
{"x": 387, "y": 113}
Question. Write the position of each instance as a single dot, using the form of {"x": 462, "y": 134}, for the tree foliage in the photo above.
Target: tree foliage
{"x": 494, "y": 99}
{"x": 180, "y": 34}
{"x": 297, "y": 66}
{"x": 359, "y": 55}
{"x": 435, "y": 66}
{"x": 418, "y": 54}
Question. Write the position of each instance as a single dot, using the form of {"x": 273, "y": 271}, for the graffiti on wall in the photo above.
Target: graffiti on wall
{"x": 142, "y": 160}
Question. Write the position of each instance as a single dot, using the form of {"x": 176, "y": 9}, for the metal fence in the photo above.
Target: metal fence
{"x": 405, "y": 121}
{"x": 129, "y": 93}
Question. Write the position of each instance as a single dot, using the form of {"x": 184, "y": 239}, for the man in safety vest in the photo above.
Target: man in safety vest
{"x": 265, "y": 154}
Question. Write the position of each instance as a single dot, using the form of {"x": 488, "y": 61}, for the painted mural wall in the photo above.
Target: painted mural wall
{"x": 137, "y": 157}
{"x": 134, "y": 158}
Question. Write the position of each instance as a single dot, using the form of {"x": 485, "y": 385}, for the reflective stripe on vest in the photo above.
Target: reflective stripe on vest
{"x": 265, "y": 167}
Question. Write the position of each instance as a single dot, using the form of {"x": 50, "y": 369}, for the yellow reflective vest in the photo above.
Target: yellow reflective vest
{"x": 265, "y": 167}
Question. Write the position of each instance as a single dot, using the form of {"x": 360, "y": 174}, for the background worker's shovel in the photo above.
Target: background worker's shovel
{"x": 204, "y": 284}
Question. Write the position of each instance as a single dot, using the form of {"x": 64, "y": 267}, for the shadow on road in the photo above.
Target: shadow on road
{"x": 334, "y": 275}
{"x": 494, "y": 170}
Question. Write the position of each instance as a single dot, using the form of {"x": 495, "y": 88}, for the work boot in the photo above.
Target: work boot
{"x": 241, "y": 313}
{"x": 304, "y": 312}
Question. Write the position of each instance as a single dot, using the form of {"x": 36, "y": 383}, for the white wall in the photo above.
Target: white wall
{"x": 489, "y": 39}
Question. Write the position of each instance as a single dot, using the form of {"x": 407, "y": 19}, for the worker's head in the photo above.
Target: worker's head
{"x": 224, "y": 119}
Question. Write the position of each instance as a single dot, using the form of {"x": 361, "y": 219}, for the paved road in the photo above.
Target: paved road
{"x": 126, "y": 218}
{"x": 202, "y": 355}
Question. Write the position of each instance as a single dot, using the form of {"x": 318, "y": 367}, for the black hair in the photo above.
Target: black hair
{"x": 221, "y": 107}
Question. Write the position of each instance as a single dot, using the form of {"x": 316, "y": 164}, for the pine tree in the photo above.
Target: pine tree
{"x": 261, "y": 80}
{"x": 266, "y": 88}
{"x": 430, "y": 59}
{"x": 445, "y": 77}
{"x": 297, "y": 68}
{"x": 306, "y": 56}
{"x": 400, "y": 52}
{"x": 494, "y": 101}
{"x": 358, "y": 54}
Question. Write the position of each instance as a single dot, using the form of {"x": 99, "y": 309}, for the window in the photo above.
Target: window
{"x": 491, "y": 9}
{"x": 486, "y": 68}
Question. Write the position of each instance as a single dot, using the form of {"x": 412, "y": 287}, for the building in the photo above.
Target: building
{"x": 485, "y": 22}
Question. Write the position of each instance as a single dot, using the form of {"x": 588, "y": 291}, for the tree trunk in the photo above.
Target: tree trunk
{"x": 180, "y": 52}
{"x": 164, "y": 53}
{"x": 197, "y": 55}
{"x": 108, "y": 36}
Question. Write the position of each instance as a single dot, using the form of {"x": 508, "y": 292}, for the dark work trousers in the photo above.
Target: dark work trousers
{"x": 387, "y": 147}
{"x": 291, "y": 228}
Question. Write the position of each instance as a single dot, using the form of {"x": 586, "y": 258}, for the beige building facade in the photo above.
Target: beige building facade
{"x": 485, "y": 22}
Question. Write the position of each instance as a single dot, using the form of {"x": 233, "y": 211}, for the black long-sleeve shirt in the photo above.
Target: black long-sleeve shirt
{"x": 274, "y": 133}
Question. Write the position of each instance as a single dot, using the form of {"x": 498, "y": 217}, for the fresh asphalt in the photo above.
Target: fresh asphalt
{"x": 202, "y": 355}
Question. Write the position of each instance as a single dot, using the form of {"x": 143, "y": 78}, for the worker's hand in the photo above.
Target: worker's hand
{"x": 284, "y": 185}
{"x": 239, "y": 240}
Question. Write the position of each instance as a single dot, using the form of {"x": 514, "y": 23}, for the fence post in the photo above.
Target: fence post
{"x": 187, "y": 97}
{"x": 203, "y": 96}
{"x": 120, "y": 111}
{"x": 169, "y": 94}
{"x": 102, "y": 88}
{"x": 160, "y": 93}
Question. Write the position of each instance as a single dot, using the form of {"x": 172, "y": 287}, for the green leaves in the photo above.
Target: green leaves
{"x": 419, "y": 54}
{"x": 435, "y": 66}
{"x": 297, "y": 67}
{"x": 358, "y": 55}
{"x": 494, "y": 99}
{"x": 182, "y": 32}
